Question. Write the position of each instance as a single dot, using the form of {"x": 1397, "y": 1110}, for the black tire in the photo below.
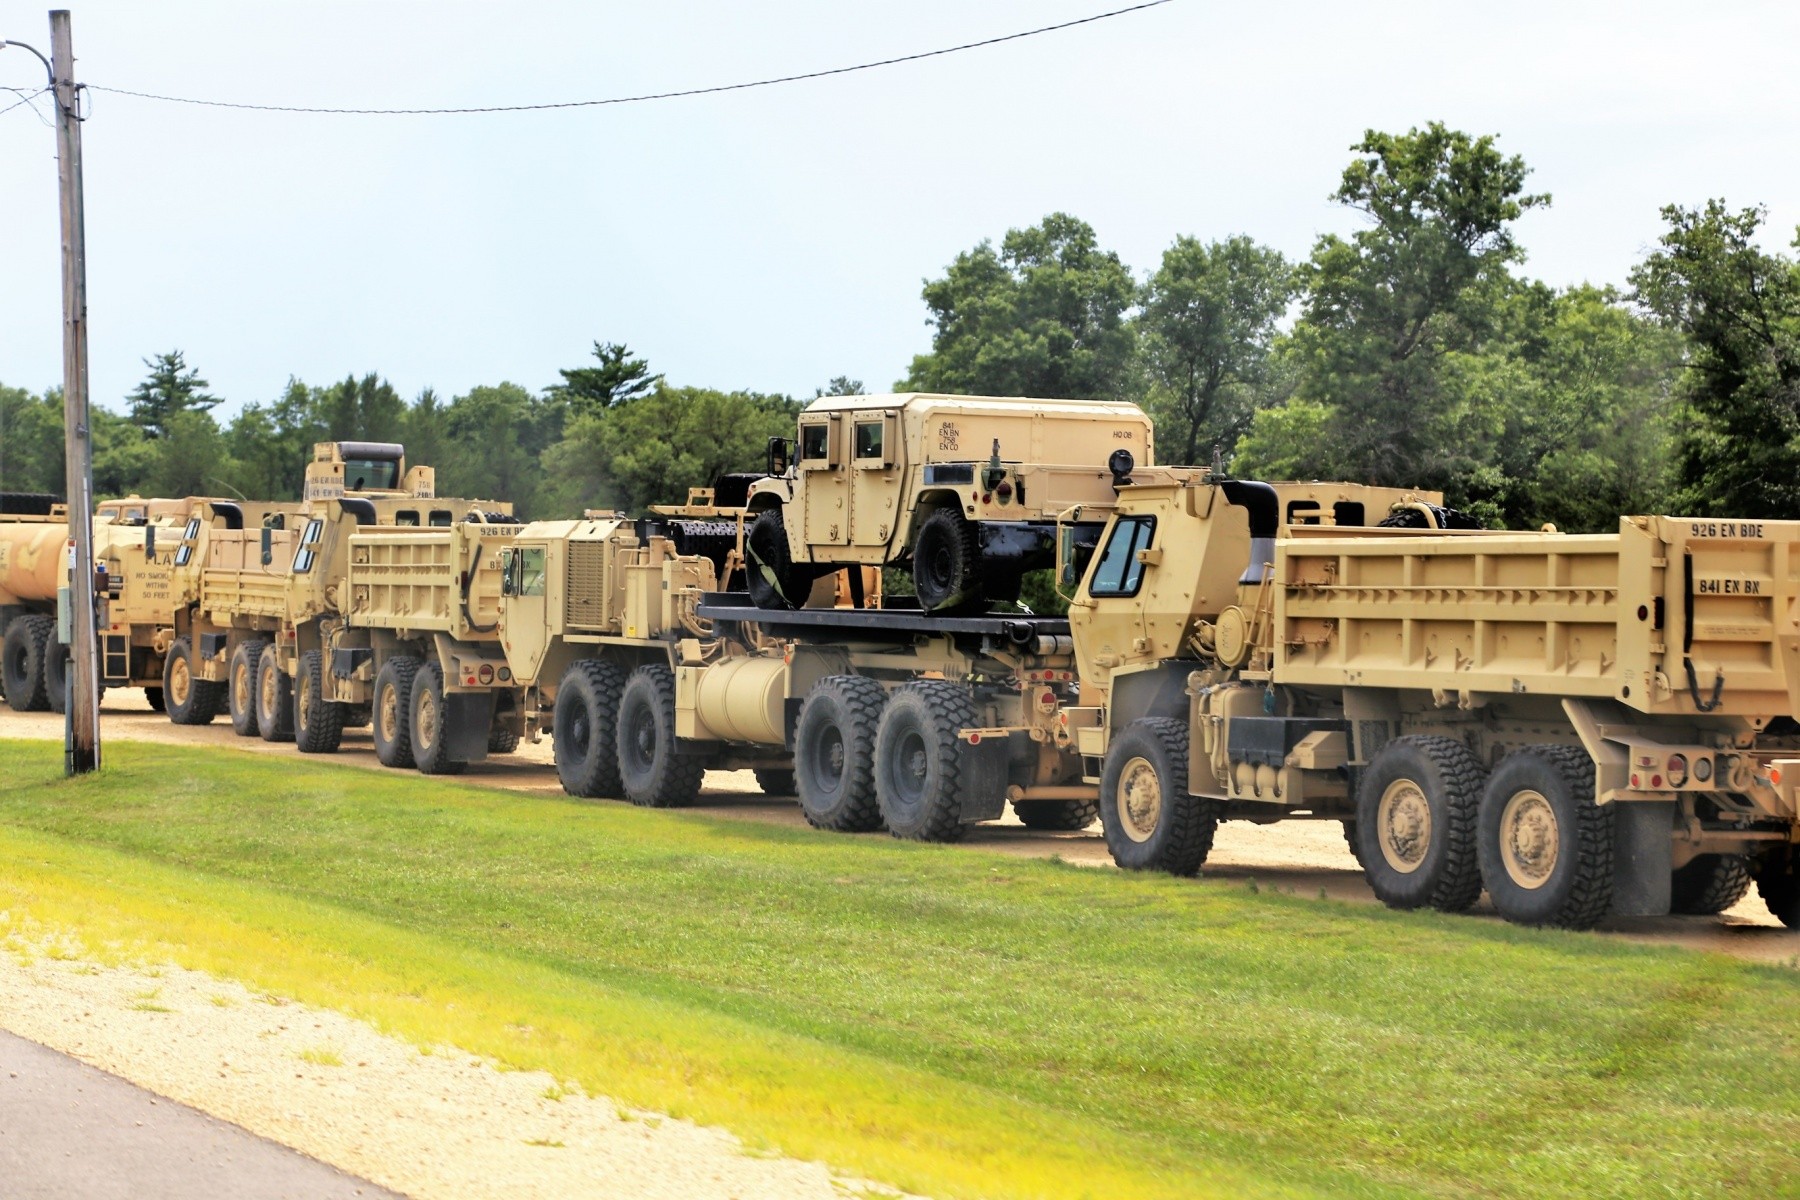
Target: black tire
{"x": 920, "y": 780}
{"x": 502, "y": 738}
{"x": 651, "y": 770}
{"x": 834, "y": 754}
{"x": 946, "y": 563}
{"x": 392, "y": 715}
{"x": 189, "y": 699}
{"x": 427, "y": 724}
{"x": 775, "y": 580}
{"x": 1066, "y": 815}
{"x": 1152, "y": 823}
{"x": 22, "y": 655}
{"x": 153, "y": 696}
{"x": 1416, "y": 811}
{"x": 584, "y": 730}
{"x": 1778, "y": 883}
{"x": 274, "y": 699}
{"x": 318, "y": 722}
{"x": 240, "y": 685}
{"x": 1546, "y": 846}
{"x": 775, "y": 781}
{"x": 1709, "y": 884}
{"x": 1351, "y": 841}
{"x": 59, "y": 666}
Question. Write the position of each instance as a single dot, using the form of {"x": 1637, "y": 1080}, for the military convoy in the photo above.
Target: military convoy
{"x": 1578, "y": 725}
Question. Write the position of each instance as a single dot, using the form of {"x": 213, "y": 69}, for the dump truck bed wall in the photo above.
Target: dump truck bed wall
{"x": 412, "y": 579}
{"x": 1602, "y": 615}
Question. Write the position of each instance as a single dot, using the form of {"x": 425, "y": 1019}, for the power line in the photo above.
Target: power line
{"x": 704, "y": 91}
{"x": 25, "y": 98}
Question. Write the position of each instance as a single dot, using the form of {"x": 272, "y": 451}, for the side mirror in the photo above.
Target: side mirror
{"x": 150, "y": 543}
{"x": 507, "y": 582}
{"x": 780, "y": 455}
{"x": 268, "y": 552}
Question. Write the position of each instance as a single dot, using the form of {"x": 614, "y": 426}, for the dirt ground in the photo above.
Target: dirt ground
{"x": 1295, "y": 856}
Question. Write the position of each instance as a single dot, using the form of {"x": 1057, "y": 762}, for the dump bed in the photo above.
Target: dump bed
{"x": 237, "y": 581}
{"x": 413, "y": 580}
{"x": 1660, "y": 616}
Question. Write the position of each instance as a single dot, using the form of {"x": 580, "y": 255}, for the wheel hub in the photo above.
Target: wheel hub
{"x": 180, "y": 682}
{"x": 1529, "y": 842}
{"x": 1139, "y": 799}
{"x": 428, "y": 720}
{"x": 1403, "y": 824}
{"x": 390, "y": 714}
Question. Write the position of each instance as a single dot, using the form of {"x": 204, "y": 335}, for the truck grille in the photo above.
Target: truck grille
{"x": 586, "y": 590}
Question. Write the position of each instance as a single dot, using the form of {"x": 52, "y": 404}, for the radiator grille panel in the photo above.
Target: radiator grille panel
{"x": 586, "y": 590}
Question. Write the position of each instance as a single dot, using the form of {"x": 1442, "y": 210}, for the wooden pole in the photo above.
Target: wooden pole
{"x": 82, "y": 725}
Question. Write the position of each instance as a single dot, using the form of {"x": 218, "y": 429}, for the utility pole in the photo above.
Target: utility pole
{"x": 81, "y": 745}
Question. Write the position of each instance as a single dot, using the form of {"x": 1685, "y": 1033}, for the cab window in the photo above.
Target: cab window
{"x": 815, "y": 443}
{"x": 1119, "y": 573}
{"x": 407, "y": 518}
{"x": 187, "y": 542}
{"x": 868, "y": 439}
{"x": 442, "y": 518}
{"x": 371, "y": 474}
{"x": 531, "y": 571}
{"x": 303, "y": 561}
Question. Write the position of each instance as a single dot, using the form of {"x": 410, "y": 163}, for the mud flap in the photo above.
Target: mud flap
{"x": 467, "y": 716}
{"x": 1643, "y": 836}
{"x": 983, "y": 778}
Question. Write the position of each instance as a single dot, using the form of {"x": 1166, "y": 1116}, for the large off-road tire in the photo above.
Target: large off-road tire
{"x": 318, "y": 722}
{"x": 274, "y": 699}
{"x": 834, "y": 754}
{"x": 22, "y": 653}
{"x": 1064, "y": 815}
{"x": 153, "y": 696}
{"x": 774, "y": 781}
{"x": 653, "y": 772}
{"x": 946, "y": 563}
{"x": 190, "y": 699}
{"x": 1152, "y": 823}
{"x": 1350, "y": 840}
{"x": 775, "y": 580}
{"x": 585, "y": 729}
{"x": 392, "y": 711}
{"x": 502, "y": 739}
{"x": 921, "y": 780}
{"x": 1416, "y": 809}
{"x": 1778, "y": 883}
{"x": 1546, "y": 846}
{"x": 59, "y": 668}
{"x": 428, "y": 724}
{"x": 240, "y": 685}
{"x": 1709, "y": 884}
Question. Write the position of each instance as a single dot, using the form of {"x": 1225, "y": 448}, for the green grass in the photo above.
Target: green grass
{"x": 945, "y": 1021}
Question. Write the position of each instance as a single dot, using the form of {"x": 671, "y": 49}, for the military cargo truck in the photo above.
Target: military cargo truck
{"x": 963, "y": 489}
{"x": 1581, "y": 725}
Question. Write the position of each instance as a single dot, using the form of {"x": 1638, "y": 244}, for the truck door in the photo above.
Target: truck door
{"x": 875, "y": 473}
{"x": 824, "y": 480}
{"x": 524, "y": 634}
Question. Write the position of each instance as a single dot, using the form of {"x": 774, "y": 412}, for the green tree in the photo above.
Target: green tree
{"x": 1740, "y": 307}
{"x": 1042, "y": 316}
{"x": 840, "y": 385}
{"x": 360, "y": 410}
{"x": 31, "y": 441}
{"x": 619, "y": 378}
{"x": 495, "y": 438}
{"x": 1205, "y": 334}
{"x": 652, "y": 449}
{"x": 171, "y": 387}
{"x": 1390, "y": 309}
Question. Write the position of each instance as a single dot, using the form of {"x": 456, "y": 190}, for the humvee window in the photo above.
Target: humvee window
{"x": 1120, "y": 573}
{"x": 815, "y": 442}
{"x": 868, "y": 439}
{"x": 531, "y": 571}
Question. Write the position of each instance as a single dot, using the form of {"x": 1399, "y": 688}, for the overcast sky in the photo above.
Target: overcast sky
{"x": 771, "y": 239}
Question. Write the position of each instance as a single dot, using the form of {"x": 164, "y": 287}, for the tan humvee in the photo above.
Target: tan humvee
{"x": 965, "y": 488}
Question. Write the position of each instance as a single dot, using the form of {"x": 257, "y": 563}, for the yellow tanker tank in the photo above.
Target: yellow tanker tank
{"x": 33, "y": 563}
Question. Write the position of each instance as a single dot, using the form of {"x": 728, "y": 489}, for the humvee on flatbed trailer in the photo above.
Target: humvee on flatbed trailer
{"x": 964, "y": 488}
{"x": 1579, "y": 724}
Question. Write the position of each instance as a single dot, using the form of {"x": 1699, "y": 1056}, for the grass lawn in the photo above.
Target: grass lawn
{"x": 947, "y": 1021}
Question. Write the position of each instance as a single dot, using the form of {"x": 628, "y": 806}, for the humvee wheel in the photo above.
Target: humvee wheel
{"x": 240, "y": 686}
{"x": 318, "y": 722}
{"x": 22, "y": 655}
{"x": 834, "y": 754}
{"x": 190, "y": 699}
{"x": 392, "y": 715}
{"x": 919, "y": 773}
{"x": 583, "y": 734}
{"x": 946, "y": 563}
{"x": 1152, "y": 823}
{"x": 274, "y": 699}
{"x": 774, "y": 579}
{"x": 1546, "y": 846}
{"x": 653, "y": 772}
{"x": 429, "y": 724}
{"x": 1415, "y": 824}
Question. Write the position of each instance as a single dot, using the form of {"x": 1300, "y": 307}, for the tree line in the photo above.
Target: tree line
{"x": 1414, "y": 352}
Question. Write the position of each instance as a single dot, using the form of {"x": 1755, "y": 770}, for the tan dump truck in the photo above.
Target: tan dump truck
{"x": 1579, "y": 725}
{"x": 965, "y": 489}
{"x": 645, "y": 677}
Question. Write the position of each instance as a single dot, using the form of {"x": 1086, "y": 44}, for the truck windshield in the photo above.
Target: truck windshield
{"x": 371, "y": 474}
{"x": 1119, "y": 573}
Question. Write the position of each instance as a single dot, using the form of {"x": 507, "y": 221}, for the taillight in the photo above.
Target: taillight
{"x": 1677, "y": 769}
